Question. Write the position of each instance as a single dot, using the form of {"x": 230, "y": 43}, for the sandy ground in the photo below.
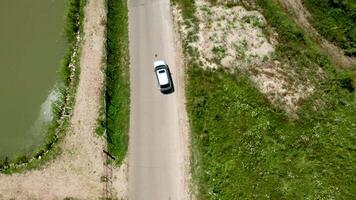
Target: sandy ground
{"x": 177, "y": 18}
{"x": 119, "y": 182}
{"x": 301, "y": 15}
{"x": 233, "y": 38}
{"x": 78, "y": 170}
{"x": 183, "y": 117}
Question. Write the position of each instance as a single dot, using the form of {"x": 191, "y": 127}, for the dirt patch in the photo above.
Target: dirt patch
{"x": 119, "y": 177}
{"x": 281, "y": 84}
{"x": 230, "y": 36}
{"x": 78, "y": 171}
{"x": 300, "y": 15}
{"x": 233, "y": 38}
{"x": 183, "y": 117}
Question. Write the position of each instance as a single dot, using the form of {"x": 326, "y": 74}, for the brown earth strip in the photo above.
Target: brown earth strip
{"x": 300, "y": 14}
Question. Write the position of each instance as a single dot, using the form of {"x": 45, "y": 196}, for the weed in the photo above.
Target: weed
{"x": 335, "y": 20}
{"x": 117, "y": 92}
{"x": 253, "y": 20}
{"x": 241, "y": 49}
{"x": 219, "y": 52}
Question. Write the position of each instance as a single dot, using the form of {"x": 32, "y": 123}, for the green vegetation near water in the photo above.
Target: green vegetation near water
{"x": 336, "y": 21}
{"x": 243, "y": 147}
{"x": 117, "y": 94}
{"x": 61, "y": 108}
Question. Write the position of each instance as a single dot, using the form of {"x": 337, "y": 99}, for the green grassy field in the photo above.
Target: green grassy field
{"x": 117, "y": 95}
{"x": 243, "y": 147}
{"x": 336, "y": 21}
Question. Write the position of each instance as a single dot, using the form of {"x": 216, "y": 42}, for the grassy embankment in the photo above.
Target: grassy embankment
{"x": 336, "y": 21}
{"x": 116, "y": 115}
{"x": 245, "y": 148}
{"x": 62, "y": 107}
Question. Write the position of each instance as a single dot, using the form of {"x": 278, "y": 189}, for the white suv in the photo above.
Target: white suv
{"x": 163, "y": 76}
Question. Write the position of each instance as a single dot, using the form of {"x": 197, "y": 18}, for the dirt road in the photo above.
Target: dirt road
{"x": 157, "y": 145}
{"x": 77, "y": 171}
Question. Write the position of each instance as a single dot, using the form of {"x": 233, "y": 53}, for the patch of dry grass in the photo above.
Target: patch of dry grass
{"x": 234, "y": 38}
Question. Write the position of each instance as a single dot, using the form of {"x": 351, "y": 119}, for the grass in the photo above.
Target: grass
{"x": 61, "y": 108}
{"x": 117, "y": 94}
{"x": 335, "y": 20}
{"x": 243, "y": 147}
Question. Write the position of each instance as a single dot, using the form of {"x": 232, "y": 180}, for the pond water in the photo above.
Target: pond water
{"x": 31, "y": 47}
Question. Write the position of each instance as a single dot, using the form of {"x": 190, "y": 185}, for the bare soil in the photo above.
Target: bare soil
{"x": 119, "y": 181}
{"x": 78, "y": 170}
{"x": 300, "y": 15}
{"x": 183, "y": 117}
{"x": 233, "y": 38}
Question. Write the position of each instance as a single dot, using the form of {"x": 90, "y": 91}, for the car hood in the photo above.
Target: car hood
{"x": 158, "y": 63}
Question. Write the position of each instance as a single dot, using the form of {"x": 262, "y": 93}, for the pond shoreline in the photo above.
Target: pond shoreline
{"x": 62, "y": 107}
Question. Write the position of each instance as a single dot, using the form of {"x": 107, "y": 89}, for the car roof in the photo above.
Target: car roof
{"x": 158, "y": 63}
{"x": 162, "y": 77}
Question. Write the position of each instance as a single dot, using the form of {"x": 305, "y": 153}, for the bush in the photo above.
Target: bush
{"x": 117, "y": 93}
{"x": 335, "y": 20}
{"x": 345, "y": 81}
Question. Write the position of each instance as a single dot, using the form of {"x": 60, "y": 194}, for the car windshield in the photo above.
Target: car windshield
{"x": 165, "y": 85}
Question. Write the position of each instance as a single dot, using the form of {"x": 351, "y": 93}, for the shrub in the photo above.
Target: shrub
{"x": 117, "y": 93}
{"x": 335, "y": 20}
{"x": 345, "y": 81}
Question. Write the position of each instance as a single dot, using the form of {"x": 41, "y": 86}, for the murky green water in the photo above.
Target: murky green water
{"x": 31, "y": 47}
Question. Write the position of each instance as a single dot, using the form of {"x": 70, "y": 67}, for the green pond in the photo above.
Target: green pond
{"x": 31, "y": 47}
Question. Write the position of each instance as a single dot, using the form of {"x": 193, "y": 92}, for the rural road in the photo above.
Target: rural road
{"x": 155, "y": 147}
